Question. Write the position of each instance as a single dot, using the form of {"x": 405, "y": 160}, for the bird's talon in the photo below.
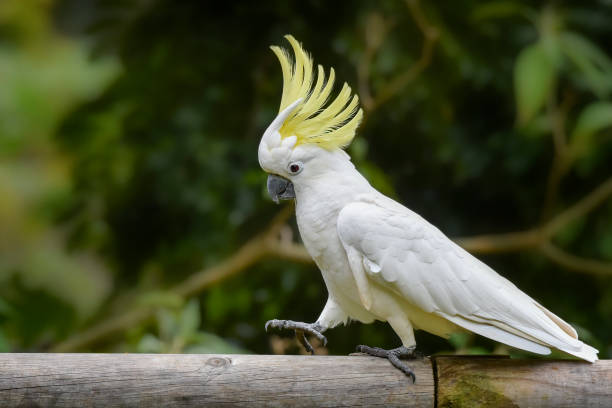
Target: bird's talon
{"x": 304, "y": 341}
{"x": 300, "y": 329}
{"x": 393, "y": 356}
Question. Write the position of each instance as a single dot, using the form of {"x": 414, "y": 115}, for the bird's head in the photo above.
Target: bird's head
{"x": 309, "y": 132}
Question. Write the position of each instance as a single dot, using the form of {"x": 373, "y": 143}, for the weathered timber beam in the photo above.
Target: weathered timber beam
{"x": 154, "y": 380}
{"x": 190, "y": 380}
{"x": 465, "y": 381}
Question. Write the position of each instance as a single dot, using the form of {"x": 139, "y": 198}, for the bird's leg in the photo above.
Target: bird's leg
{"x": 393, "y": 356}
{"x": 300, "y": 329}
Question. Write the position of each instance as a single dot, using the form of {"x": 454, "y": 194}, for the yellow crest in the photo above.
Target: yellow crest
{"x": 331, "y": 126}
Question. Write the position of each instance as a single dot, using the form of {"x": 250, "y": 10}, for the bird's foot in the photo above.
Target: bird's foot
{"x": 300, "y": 329}
{"x": 393, "y": 356}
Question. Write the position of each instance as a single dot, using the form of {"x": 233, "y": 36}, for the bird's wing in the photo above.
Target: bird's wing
{"x": 396, "y": 248}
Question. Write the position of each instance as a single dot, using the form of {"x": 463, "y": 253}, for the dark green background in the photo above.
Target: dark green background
{"x": 155, "y": 123}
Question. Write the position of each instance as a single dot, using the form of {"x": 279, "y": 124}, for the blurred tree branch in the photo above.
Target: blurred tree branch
{"x": 267, "y": 244}
{"x": 500, "y": 243}
{"x": 540, "y": 237}
{"x": 588, "y": 203}
{"x": 532, "y": 238}
{"x": 274, "y": 242}
{"x": 376, "y": 30}
{"x": 575, "y": 263}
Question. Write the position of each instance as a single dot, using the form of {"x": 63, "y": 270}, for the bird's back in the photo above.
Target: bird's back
{"x": 415, "y": 260}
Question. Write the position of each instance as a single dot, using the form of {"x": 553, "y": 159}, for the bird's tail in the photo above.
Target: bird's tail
{"x": 535, "y": 341}
{"x": 580, "y": 350}
{"x": 586, "y": 352}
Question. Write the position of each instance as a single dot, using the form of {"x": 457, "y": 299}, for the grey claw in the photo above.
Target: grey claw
{"x": 268, "y": 324}
{"x": 323, "y": 340}
{"x": 300, "y": 329}
{"x": 275, "y": 323}
{"x": 393, "y": 356}
{"x": 301, "y": 336}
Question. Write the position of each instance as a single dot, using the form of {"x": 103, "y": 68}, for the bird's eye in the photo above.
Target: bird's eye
{"x": 295, "y": 168}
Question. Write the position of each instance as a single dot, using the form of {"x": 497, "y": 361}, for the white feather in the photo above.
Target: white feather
{"x": 416, "y": 261}
{"x": 379, "y": 260}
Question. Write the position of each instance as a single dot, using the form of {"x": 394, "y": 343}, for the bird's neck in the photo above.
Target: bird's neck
{"x": 319, "y": 200}
{"x": 329, "y": 191}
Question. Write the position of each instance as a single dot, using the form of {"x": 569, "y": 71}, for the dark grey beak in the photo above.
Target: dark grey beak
{"x": 280, "y": 188}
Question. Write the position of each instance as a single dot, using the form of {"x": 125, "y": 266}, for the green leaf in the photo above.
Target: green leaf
{"x": 538, "y": 126}
{"x": 167, "y": 324}
{"x": 534, "y": 76}
{"x": 551, "y": 44}
{"x": 593, "y": 119}
{"x": 190, "y": 318}
{"x": 594, "y": 65}
{"x": 149, "y": 344}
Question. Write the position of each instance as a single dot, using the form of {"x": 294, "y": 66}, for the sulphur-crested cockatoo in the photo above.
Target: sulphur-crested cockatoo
{"x": 380, "y": 260}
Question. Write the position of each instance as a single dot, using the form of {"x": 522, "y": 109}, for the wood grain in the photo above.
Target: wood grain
{"x": 183, "y": 380}
{"x": 501, "y": 382}
{"x": 155, "y": 380}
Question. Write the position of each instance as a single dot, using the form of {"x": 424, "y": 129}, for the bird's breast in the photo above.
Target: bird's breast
{"x": 320, "y": 237}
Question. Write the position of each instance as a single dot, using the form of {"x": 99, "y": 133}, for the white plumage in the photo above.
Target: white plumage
{"x": 381, "y": 261}
{"x": 398, "y": 250}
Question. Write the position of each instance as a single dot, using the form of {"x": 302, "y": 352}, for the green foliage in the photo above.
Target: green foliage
{"x": 593, "y": 119}
{"x": 46, "y": 290}
{"x": 534, "y": 77}
{"x": 128, "y": 156}
{"x": 594, "y": 66}
{"x": 179, "y": 333}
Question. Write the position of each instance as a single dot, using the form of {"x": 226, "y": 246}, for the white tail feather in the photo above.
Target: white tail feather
{"x": 500, "y": 335}
{"x": 587, "y": 353}
{"x": 584, "y": 352}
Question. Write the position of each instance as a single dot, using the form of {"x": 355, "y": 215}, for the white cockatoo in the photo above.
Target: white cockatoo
{"x": 380, "y": 260}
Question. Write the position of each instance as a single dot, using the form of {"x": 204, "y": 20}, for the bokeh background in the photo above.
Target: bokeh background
{"x": 133, "y": 212}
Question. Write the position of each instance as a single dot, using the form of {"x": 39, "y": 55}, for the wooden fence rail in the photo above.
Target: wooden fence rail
{"x": 153, "y": 380}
